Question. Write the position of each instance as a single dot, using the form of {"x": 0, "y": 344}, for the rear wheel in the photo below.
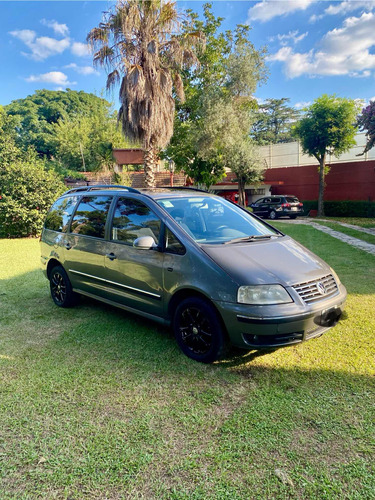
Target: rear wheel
{"x": 61, "y": 289}
{"x": 198, "y": 330}
{"x": 272, "y": 215}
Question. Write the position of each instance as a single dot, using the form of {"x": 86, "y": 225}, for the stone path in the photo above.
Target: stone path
{"x": 350, "y": 240}
{"x": 367, "y": 230}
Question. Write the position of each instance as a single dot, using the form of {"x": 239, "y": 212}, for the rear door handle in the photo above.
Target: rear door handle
{"x": 111, "y": 256}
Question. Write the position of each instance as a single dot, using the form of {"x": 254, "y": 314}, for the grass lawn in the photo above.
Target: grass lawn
{"x": 357, "y": 221}
{"x": 96, "y": 403}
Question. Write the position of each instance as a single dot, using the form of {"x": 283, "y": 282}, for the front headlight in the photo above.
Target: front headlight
{"x": 263, "y": 295}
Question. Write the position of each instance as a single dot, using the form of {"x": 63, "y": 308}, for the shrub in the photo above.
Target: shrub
{"x": 27, "y": 191}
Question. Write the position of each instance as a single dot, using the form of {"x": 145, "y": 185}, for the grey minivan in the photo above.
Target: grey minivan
{"x": 192, "y": 260}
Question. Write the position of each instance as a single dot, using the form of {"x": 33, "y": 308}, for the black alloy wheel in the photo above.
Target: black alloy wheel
{"x": 198, "y": 330}
{"x": 61, "y": 289}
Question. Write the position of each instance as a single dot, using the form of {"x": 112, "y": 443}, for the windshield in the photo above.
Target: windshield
{"x": 215, "y": 220}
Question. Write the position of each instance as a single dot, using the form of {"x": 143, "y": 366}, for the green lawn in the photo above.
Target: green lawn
{"x": 356, "y": 221}
{"x": 96, "y": 403}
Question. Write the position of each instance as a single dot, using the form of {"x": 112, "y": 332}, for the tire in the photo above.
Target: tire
{"x": 198, "y": 330}
{"x": 272, "y": 215}
{"x": 61, "y": 289}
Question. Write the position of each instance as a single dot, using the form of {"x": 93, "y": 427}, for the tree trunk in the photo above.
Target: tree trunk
{"x": 149, "y": 166}
{"x": 241, "y": 192}
{"x": 322, "y": 166}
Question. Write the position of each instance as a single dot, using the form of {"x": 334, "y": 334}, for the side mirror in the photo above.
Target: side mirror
{"x": 145, "y": 243}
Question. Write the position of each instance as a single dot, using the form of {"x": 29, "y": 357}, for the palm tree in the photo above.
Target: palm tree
{"x": 138, "y": 43}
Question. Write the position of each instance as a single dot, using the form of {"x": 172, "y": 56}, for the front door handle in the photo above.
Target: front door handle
{"x": 111, "y": 256}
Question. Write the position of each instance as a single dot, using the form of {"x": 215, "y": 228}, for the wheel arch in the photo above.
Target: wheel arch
{"x": 186, "y": 293}
{"x": 51, "y": 264}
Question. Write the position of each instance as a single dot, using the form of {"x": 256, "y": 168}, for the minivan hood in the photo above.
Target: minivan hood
{"x": 280, "y": 260}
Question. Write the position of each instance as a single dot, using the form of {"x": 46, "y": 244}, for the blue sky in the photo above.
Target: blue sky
{"x": 313, "y": 47}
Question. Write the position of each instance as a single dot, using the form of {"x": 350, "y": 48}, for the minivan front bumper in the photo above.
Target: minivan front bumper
{"x": 257, "y": 328}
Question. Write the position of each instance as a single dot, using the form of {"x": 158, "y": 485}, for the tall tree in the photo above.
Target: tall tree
{"x": 86, "y": 142}
{"x": 328, "y": 128}
{"x": 37, "y": 113}
{"x": 245, "y": 161}
{"x": 219, "y": 101}
{"x": 273, "y": 122}
{"x": 138, "y": 44}
{"x": 366, "y": 122}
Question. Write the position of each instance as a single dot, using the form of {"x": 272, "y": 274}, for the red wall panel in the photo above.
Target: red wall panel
{"x": 345, "y": 181}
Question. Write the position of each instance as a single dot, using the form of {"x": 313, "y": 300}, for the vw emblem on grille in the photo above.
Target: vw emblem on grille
{"x": 321, "y": 288}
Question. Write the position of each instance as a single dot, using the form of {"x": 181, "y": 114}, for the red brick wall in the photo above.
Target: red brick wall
{"x": 345, "y": 181}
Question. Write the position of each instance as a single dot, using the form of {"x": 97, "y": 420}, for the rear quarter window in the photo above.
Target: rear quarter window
{"x": 59, "y": 215}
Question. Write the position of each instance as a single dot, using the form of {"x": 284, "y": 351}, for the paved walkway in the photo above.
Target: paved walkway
{"x": 350, "y": 240}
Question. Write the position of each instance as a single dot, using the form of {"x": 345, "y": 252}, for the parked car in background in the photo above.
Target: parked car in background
{"x": 192, "y": 260}
{"x": 274, "y": 207}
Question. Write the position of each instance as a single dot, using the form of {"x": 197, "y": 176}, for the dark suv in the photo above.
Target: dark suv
{"x": 273, "y": 207}
{"x": 192, "y": 260}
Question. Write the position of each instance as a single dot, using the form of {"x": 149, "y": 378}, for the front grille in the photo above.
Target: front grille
{"x": 318, "y": 289}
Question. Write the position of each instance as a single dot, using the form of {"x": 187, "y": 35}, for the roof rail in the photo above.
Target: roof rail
{"x": 186, "y": 188}
{"x": 102, "y": 186}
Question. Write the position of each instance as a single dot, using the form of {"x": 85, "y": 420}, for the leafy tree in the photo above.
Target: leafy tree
{"x": 273, "y": 122}
{"x": 138, "y": 41}
{"x": 85, "y": 143}
{"x": 328, "y": 128}
{"x": 36, "y": 114}
{"x": 26, "y": 189}
{"x": 245, "y": 161}
{"x": 9, "y": 152}
{"x": 366, "y": 121}
{"x": 219, "y": 104}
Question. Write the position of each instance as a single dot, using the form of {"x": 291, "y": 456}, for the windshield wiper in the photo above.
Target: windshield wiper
{"x": 254, "y": 237}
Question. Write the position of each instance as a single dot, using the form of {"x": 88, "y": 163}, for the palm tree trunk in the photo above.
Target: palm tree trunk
{"x": 322, "y": 166}
{"x": 149, "y": 166}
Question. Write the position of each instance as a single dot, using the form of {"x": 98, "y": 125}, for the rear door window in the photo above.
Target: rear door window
{"x": 91, "y": 216}
{"x": 58, "y": 217}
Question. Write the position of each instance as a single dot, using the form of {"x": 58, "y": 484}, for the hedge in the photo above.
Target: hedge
{"x": 345, "y": 208}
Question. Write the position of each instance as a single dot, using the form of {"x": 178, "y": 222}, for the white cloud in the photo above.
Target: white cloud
{"x": 344, "y": 8}
{"x": 41, "y": 47}
{"x": 59, "y": 29}
{"x": 80, "y": 49}
{"x": 266, "y": 10}
{"x": 349, "y": 6}
{"x": 292, "y": 36}
{"x": 342, "y": 51}
{"x": 83, "y": 70}
{"x": 302, "y": 104}
{"x": 54, "y": 77}
{"x": 26, "y": 36}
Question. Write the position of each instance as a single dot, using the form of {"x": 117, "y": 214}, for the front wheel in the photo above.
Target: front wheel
{"x": 272, "y": 215}
{"x": 61, "y": 289}
{"x": 198, "y": 330}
